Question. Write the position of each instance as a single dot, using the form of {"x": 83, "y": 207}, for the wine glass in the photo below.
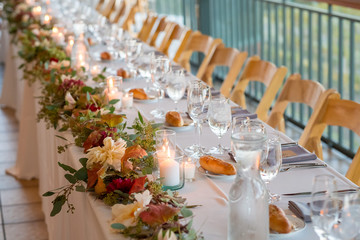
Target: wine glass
{"x": 111, "y": 33}
{"x": 159, "y": 68}
{"x": 219, "y": 117}
{"x": 197, "y": 101}
{"x": 323, "y": 207}
{"x": 270, "y": 165}
{"x": 132, "y": 50}
{"x": 176, "y": 86}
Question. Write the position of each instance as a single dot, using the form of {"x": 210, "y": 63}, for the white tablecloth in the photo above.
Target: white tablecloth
{"x": 91, "y": 217}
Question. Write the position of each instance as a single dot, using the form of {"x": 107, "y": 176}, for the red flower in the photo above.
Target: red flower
{"x": 123, "y": 185}
{"x": 69, "y": 83}
{"x": 92, "y": 107}
{"x": 54, "y": 60}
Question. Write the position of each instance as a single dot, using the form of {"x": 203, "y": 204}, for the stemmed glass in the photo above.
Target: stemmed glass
{"x": 219, "y": 117}
{"x": 133, "y": 50}
{"x": 324, "y": 210}
{"x": 176, "y": 86}
{"x": 270, "y": 165}
{"x": 197, "y": 102}
{"x": 159, "y": 68}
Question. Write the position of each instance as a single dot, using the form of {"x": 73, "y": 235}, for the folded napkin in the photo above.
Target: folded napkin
{"x": 240, "y": 112}
{"x": 215, "y": 93}
{"x": 301, "y": 210}
{"x": 296, "y": 153}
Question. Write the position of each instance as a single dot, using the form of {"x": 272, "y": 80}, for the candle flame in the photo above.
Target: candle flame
{"x": 55, "y": 30}
{"x": 111, "y": 83}
{"x": 46, "y": 18}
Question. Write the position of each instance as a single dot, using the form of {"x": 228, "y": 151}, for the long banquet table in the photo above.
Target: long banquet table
{"x": 91, "y": 217}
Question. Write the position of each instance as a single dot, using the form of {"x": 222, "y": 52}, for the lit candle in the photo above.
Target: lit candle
{"x": 189, "y": 168}
{"x": 47, "y": 19}
{"x": 36, "y": 11}
{"x": 95, "y": 70}
{"x": 169, "y": 168}
{"x": 127, "y": 100}
{"x": 29, "y": 2}
{"x": 70, "y": 45}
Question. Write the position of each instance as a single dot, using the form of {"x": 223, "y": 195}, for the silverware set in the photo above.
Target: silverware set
{"x": 290, "y": 166}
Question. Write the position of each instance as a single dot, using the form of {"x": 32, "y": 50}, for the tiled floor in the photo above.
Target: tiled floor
{"x": 20, "y": 203}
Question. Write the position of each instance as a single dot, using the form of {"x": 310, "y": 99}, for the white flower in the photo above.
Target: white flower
{"x": 169, "y": 235}
{"x": 108, "y": 155}
{"x": 36, "y": 31}
{"x": 58, "y": 65}
{"x": 69, "y": 98}
{"x": 127, "y": 214}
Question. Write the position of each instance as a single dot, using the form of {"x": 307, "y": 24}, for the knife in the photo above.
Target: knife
{"x": 309, "y": 193}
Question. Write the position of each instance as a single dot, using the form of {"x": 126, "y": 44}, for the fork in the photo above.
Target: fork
{"x": 306, "y": 165}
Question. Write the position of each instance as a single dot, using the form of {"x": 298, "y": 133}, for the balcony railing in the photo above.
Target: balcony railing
{"x": 320, "y": 41}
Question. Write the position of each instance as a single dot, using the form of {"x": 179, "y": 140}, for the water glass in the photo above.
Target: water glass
{"x": 219, "y": 118}
{"x": 176, "y": 86}
{"x": 324, "y": 210}
{"x": 270, "y": 166}
{"x": 197, "y": 102}
{"x": 159, "y": 68}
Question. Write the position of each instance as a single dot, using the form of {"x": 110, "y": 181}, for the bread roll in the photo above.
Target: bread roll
{"x": 105, "y": 56}
{"x": 174, "y": 119}
{"x": 278, "y": 220}
{"x": 90, "y": 41}
{"x": 139, "y": 93}
{"x": 122, "y": 73}
{"x": 217, "y": 166}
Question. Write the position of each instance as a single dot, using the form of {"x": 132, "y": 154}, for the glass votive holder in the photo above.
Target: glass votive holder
{"x": 127, "y": 100}
{"x": 165, "y": 140}
{"x": 170, "y": 170}
{"x": 113, "y": 90}
{"x": 95, "y": 70}
{"x": 189, "y": 167}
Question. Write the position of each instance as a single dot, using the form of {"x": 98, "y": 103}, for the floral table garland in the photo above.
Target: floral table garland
{"x": 118, "y": 165}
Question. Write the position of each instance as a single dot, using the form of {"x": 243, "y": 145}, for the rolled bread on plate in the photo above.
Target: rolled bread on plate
{"x": 139, "y": 93}
{"x": 174, "y": 119}
{"x": 217, "y": 166}
{"x": 278, "y": 220}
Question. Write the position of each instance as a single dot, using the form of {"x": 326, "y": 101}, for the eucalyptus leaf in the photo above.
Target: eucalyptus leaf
{"x": 57, "y": 205}
{"x": 114, "y": 101}
{"x": 186, "y": 212}
{"x": 83, "y": 161}
{"x": 70, "y": 178}
{"x": 81, "y": 174}
{"x": 118, "y": 226}
{"x": 61, "y": 137}
{"x": 80, "y": 188}
{"x": 48, "y": 194}
{"x": 66, "y": 167}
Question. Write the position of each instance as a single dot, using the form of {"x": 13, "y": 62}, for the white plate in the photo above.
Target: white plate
{"x": 214, "y": 175}
{"x": 297, "y": 223}
{"x": 179, "y": 129}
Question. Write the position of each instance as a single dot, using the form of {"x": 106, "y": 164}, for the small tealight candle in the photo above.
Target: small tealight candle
{"x": 127, "y": 100}
{"x": 189, "y": 168}
{"x": 47, "y": 19}
{"x": 95, "y": 70}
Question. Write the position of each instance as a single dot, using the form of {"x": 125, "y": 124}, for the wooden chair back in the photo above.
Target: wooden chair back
{"x": 118, "y": 11}
{"x": 261, "y": 71}
{"x": 148, "y": 25}
{"x": 229, "y": 57}
{"x": 129, "y": 18}
{"x": 161, "y": 27}
{"x": 198, "y": 43}
{"x": 99, "y": 5}
{"x": 106, "y": 8}
{"x": 177, "y": 33}
{"x": 333, "y": 111}
{"x": 295, "y": 90}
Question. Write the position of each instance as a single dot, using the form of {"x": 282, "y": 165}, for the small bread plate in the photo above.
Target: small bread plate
{"x": 180, "y": 129}
{"x": 298, "y": 225}
{"x": 214, "y": 175}
{"x": 150, "y": 100}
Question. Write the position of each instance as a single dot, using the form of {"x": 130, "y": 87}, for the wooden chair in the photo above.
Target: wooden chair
{"x": 176, "y": 34}
{"x": 161, "y": 28}
{"x": 198, "y": 43}
{"x": 331, "y": 110}
{"x": 295, "y": 90}
{"x": 100, "y": 5}
{"x": 106, "y": 8}
{"x": 118, "y": 11}
{"x": 148, "y": 25}
{"x": 129, "y": 18}
{"x": 229, "y": 57}
{"x": 262, "y": 71}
